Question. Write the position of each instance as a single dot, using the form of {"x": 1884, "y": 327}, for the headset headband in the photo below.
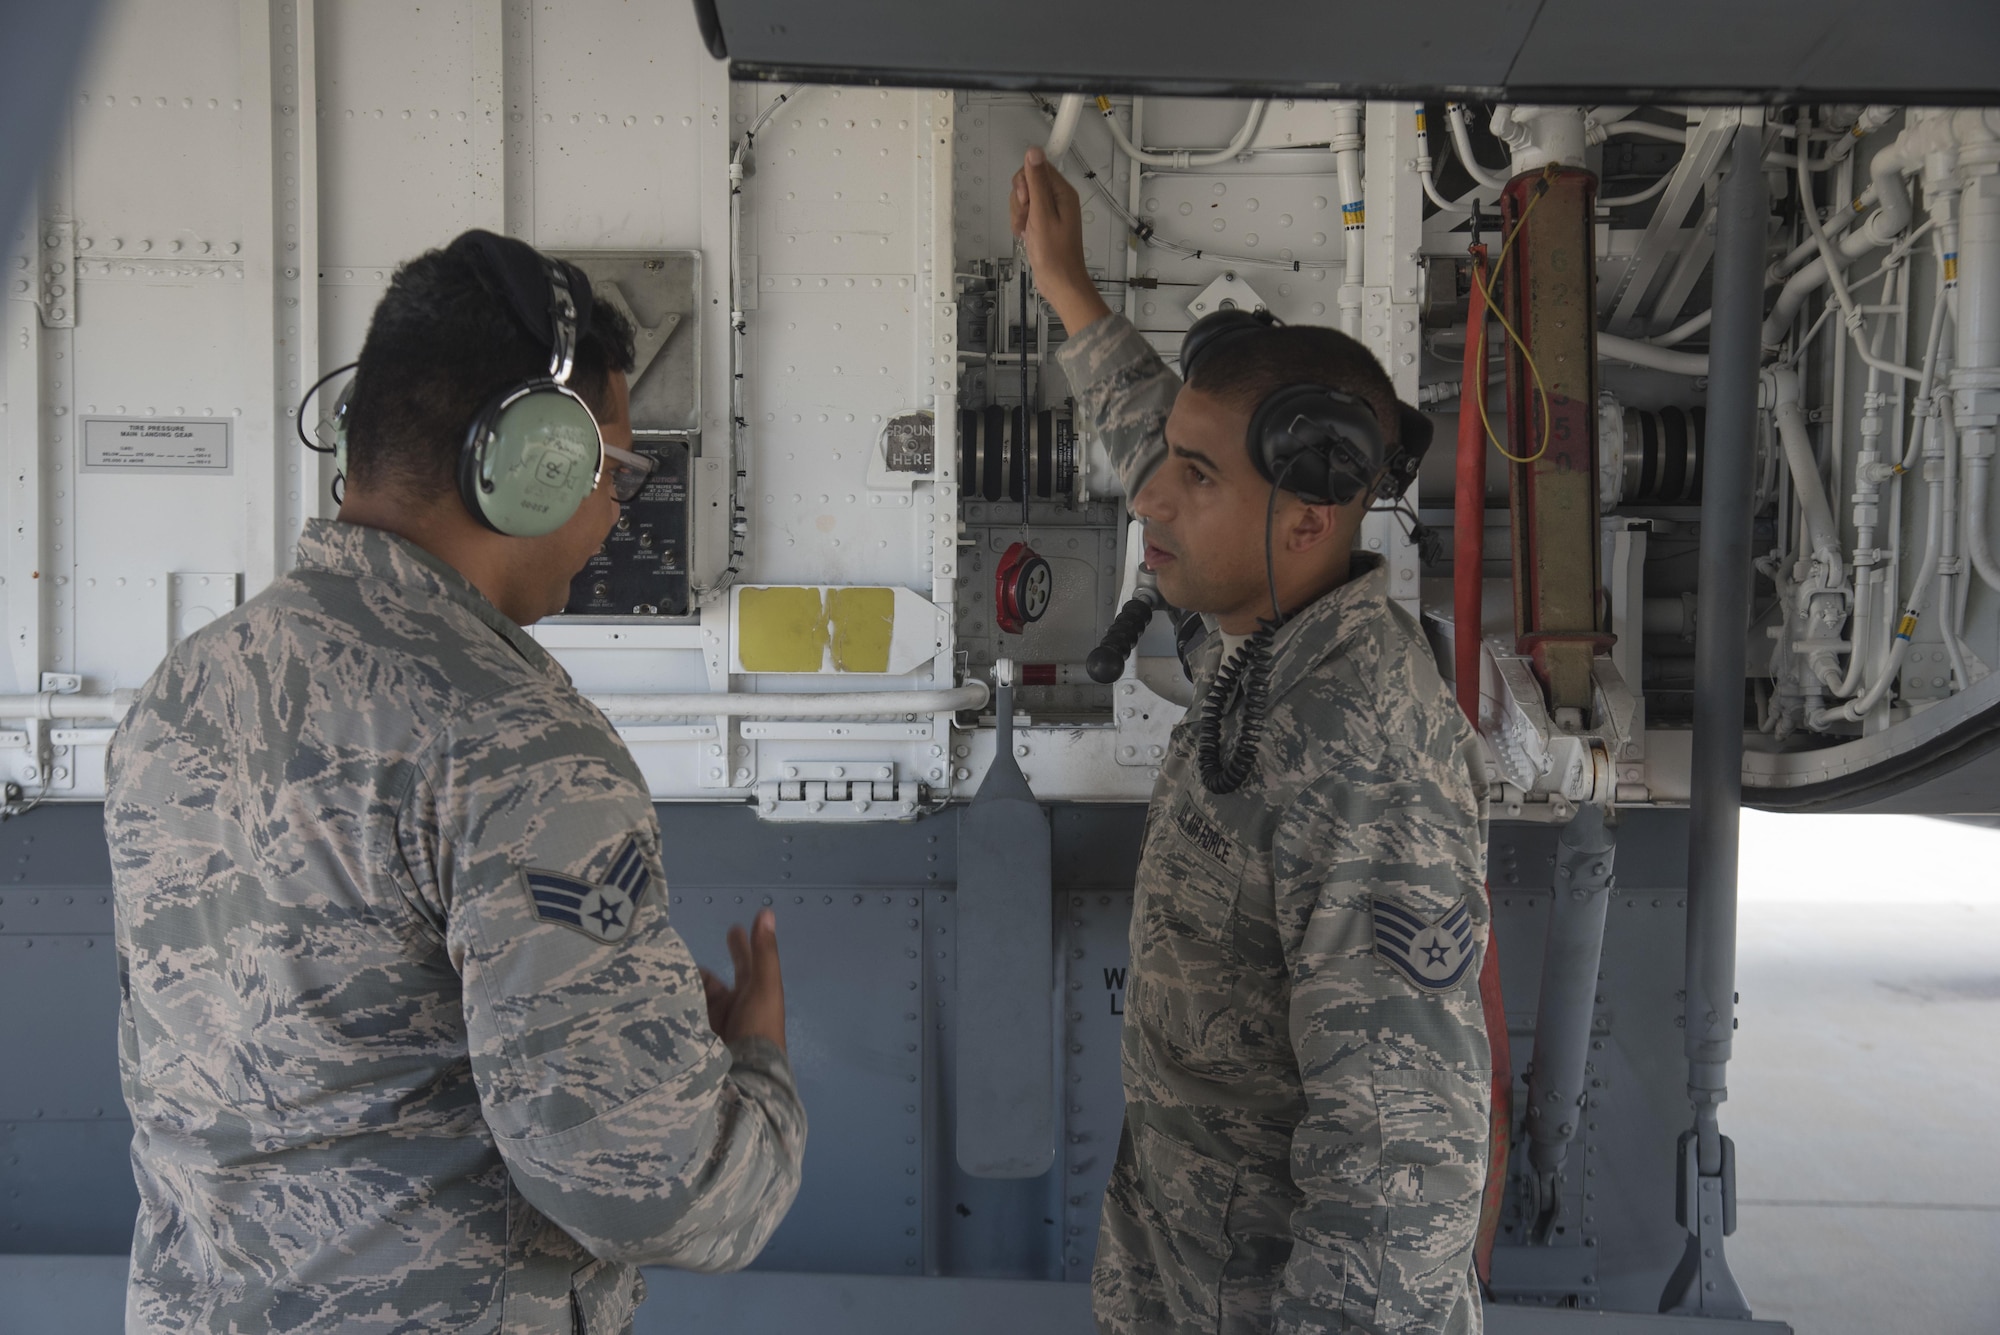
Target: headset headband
{"x": 549, "y": 298}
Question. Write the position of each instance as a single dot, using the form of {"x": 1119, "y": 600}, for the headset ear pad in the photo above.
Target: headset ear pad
{"x": 1319, "y": 443}
{"x": 531, "y": 459}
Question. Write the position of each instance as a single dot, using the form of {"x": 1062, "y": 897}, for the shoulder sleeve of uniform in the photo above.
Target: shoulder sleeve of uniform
{"x": 1383, "y": 917}
{"x": 1124, "y": 393}
{"x": 620, "y": 1113}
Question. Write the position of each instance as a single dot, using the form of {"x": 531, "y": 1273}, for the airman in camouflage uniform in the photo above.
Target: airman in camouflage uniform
{"x": 407, "y": 1039}
{"x": 1305, "y": 1059}
{"x": 372, "y": 1088}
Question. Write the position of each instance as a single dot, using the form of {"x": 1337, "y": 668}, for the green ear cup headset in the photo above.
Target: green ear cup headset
{"x": 533, "y": 452}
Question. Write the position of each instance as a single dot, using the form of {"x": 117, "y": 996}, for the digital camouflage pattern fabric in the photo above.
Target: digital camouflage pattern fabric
{"x": 377, "y": 1081}
{"x": 1305, "y": 1129}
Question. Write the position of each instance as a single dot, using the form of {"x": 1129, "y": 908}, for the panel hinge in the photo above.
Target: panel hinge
{"x": 850, "y": 791}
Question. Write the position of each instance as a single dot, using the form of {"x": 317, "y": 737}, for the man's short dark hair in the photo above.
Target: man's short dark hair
{"x": 442, "y": 343}
{"x": 1246, "y": 369}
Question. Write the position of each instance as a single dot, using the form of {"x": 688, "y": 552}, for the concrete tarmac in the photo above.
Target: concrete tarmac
{"x": 1865, "y": 1091}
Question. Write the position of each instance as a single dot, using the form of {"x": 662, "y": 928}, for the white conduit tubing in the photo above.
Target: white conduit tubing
{"x": 56, "y": 705}
{"x": 1978, "y": 483}
{"x": 1864, "y": 609}
{"x": 1927, "y": 570}
{"x": 1182, "y": 158}
{"x": 1809, "y": 247}
{"x": 1975, "y": 378}
{"x": 732, "y": 704}
{"x": 1134, "y": 189}
{"x": 1869, "y": 574}
{"x": 1353, "y": 213}
{"x": 1794, "y": 435}
{"x": 1620, "y": 201}
{"x": 1684, "y": 331}
{"x": 1890, "y": 217}
{"x": 1850, "y": 316}
{"x": 1926, "y": 382}
{"x": 1949, "y": 567}
{"x": 1646, "y": 129}
{"x": 1068, "y": 112}
{"x": 1454, "y": 119}
{"x": 1822, "y": 532}
{"x": 829, "y": 704}
{"x": 1424, "y": 166}
{"x": 1634, "y": 353}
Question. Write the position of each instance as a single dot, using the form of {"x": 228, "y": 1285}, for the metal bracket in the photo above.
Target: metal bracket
{"x": 1536, "y": 755}
{"x": 1226, "y": 293}
{"x": 1705, "y": 1204}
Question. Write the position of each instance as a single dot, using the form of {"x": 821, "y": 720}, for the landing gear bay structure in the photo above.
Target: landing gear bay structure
{"x": 1723, "y": 525}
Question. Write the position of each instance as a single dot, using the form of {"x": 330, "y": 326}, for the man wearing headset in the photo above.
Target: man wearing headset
{"x": 406, "y": 1037}
{"x": 1305, "y": 1060}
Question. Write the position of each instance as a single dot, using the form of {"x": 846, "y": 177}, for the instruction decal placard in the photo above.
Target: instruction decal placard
{"x": 155, "y": 445}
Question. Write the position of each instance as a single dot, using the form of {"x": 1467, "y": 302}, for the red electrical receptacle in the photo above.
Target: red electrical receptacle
{"x": 1022, "y": 587}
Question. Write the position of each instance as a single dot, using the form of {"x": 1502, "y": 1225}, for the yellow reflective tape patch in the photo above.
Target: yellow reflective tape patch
{"x": 863, "y": 622}
{"x": 781, "y": 630}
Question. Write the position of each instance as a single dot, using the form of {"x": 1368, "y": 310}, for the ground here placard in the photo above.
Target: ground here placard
{"x": 155, "y": 444}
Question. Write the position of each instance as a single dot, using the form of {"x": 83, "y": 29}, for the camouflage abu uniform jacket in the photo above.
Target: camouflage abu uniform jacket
{"x": 406, "y": 1037}
{"x": 1305, "y": 1061}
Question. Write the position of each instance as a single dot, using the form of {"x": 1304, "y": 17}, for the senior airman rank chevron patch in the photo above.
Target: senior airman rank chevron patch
{"x": 601, "y": 911}
{"x": 1433, "y": 955}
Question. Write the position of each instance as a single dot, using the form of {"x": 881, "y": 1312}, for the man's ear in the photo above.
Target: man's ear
{"x": 1314, "y": 526}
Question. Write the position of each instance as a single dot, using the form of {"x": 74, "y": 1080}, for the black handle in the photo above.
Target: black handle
{"x": 1106, "y": 662}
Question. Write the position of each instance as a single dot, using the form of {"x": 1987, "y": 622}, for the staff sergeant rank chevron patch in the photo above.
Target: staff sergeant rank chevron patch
{"x": 602, "y": 912}
{"x": 1433, "y": 955}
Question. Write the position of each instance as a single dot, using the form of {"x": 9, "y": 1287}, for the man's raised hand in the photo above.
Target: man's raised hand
{"x": 1046, "y": 213}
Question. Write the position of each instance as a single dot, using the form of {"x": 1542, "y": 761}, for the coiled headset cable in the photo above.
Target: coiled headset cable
{"x": 1249, "y": 670}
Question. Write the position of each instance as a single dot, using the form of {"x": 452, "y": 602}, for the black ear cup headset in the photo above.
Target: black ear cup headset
{"x": 1326, "y": 447}
{"x": 533, "y": 452}
{"x": 1324, "y": 443}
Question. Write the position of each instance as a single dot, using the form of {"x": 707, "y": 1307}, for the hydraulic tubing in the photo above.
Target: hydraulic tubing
{"x": 1703, "y": 1282}
{"x": 1180, "y": 158}
{"x": 1975, "y": 380}
{"x": 1347, "y": 145}
{"x": 1063, "y": 133}
{"x": 817, "y": 704}
{"x": 1571, "y": 954}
